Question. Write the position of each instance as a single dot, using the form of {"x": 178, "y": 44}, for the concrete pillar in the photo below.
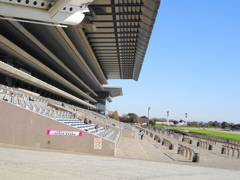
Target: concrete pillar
{"x": 196, "y": 157}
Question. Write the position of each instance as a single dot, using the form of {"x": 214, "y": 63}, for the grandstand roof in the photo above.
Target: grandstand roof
{"x": 120, "y": 34}
{"x": 113, "y": 90}
{"x": 109, "y": 43}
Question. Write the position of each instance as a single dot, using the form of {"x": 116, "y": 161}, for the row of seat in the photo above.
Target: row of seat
{"x": 32, "y": 104}
{"x": 107, "y": 133}
{"x": 40, "y": 106}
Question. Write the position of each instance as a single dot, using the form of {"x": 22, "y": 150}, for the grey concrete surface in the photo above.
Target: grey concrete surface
{"x": 19, "y": 164}
{"x": 135, "y": 159}
{"x": 148, "y": 149}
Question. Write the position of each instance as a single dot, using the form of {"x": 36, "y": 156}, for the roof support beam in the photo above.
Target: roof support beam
{"x": 118, "y": 5}
{"x": 119, "y": 13}
{"x": 121, "y": 20}
{"x": 9, "y": 70}
{"x": 94, "y": 47}
{"x": 59, "y": 5}
{"x": 135, "y": 32}
{"x": 108, "y": 27}
{"x": 116, "y": 36}
{"x": 112, "y": 37}
{"x": 50, "y": 54}
{"x": 114, "y": 42}
{"x": 21, "y": 54}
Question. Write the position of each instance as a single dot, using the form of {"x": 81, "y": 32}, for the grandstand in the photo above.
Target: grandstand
{"x": 55, "y": 60}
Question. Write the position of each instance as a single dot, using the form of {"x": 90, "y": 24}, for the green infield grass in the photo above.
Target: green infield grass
{"x": 225, "y": 135}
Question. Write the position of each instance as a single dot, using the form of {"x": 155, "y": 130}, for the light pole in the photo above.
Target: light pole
{"x": 148, "y": 115}
{"x": 167, "y": 117}
{"x": 186, "y": 114}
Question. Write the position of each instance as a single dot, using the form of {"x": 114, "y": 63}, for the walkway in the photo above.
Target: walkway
{"x": 136, "y": 160}
{"x": 148, "y": 149}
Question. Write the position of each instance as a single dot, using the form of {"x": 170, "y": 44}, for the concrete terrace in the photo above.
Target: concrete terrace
{"x": 150, "y": 150}
{"x": 135, "y": 159}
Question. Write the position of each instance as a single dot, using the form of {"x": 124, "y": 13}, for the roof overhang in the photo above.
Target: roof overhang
{"x": 110, "y": 43}
{"x": 119, "y": 33}
{"x": 114, "y": 91}
{"x": 109, "y": 99}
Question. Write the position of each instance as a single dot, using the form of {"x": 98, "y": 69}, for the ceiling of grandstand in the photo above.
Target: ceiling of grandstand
{"x": 109, "y": 43}
{"x": 120, "y": 33}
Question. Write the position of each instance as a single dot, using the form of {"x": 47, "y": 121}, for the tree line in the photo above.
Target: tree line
{"x": 134, "y": 118}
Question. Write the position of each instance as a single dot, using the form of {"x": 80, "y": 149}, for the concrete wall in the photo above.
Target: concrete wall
{"x": 19, "y": 126}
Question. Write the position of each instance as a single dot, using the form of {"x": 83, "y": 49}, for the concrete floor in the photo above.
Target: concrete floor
{"x": 135, "y": 159}
{"x": 148, "y": 149}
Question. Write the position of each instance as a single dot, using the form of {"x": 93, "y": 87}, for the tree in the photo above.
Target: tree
{"x": 216, "y": 124}
{"x": 210, "y": 123}
{"x": 115, "y": 115}
{"x": 175, "y": 122}
{"x": 138, "y": 120}
{"x": 152, "y": 122}
{"x": 235, "y": 127}
{"x": 123, "y": 118}
{"x": 162, "y": 120}
{"x": 131, "y": 117}
{"x": 192, "y": 123}
{"x": 224, "y": 125}
{"x": 144, "y": 119}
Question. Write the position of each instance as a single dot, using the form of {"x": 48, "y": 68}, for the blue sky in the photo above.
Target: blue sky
{"x": 192, "y": 64}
